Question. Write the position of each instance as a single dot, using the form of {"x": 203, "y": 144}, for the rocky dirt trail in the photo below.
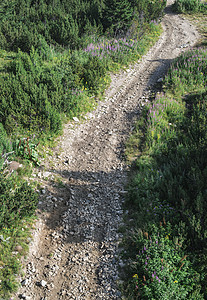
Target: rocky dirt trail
{"x": 75, "y": 248}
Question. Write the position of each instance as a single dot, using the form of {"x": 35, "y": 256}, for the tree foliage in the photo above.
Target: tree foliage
{"x": 64, "y": 23}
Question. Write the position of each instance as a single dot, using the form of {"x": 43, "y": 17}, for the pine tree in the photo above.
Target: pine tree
{"x": 118, "y": 15}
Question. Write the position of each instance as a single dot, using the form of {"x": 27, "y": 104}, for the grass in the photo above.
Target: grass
{"x": 200, "y": 21}
{"x": 165, "y": 235}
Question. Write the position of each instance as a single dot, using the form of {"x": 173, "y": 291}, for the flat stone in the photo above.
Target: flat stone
{"x": 14, "y": 166}
{"x": 18, "y": 248}
{"x": 43, "y": 283}
{"x": 25, "y": 282}
{"x": 75, "y": 119}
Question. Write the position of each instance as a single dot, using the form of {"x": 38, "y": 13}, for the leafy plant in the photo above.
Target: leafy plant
{"x": 162, "y": 271}
{"x": 26, "y": 148}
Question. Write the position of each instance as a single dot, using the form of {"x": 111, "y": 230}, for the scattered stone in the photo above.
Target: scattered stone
{"x": 75, "y": 119}
{"x": 18, "y": 248}
{"x": 24, "y": 296}
{"x": 184, "y": 46}
{"x": 43, "y": 283}
{"x": 25, "y": 282}
{"x": 14, "y": 166}
{"x": 46, "y": 174}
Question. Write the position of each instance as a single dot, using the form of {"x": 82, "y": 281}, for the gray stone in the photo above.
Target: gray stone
{"x": 75, "y": 119}
{"x": 43, "y": 283}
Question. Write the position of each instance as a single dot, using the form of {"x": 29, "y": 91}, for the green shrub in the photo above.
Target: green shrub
{"x": 65, "y": 24}
{"x": 15, "y": 203}
{"x": 18, "y": 203}
{"x": 161, "y": 269}
{"x": 187, "y": 72}
{"x": 183, "y": 6}
{"x": 94, "y": 71}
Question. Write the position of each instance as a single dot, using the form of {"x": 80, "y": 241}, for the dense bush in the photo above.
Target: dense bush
{"x": 161, "y": 270}
{"x": 40, "y": 89}
{"x": 15, "y": 203}
{"x": 34, "y": 95}
{"x": 18, "y": 203}
{"x": 64, "y": 23}
{"x": 5, "y": 146}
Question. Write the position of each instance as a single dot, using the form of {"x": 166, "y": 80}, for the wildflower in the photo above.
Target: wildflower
{"x": 175, "y": 281}
{"x": 135, "y": 276}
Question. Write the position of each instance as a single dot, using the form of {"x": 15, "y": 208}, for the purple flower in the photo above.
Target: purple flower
{"x": 153, "y": 275}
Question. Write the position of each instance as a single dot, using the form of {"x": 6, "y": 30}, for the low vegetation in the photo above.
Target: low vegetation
{"x": 164, "y": 243}
{"x": 55, "y": 59}
{"x": 190, "y": 6}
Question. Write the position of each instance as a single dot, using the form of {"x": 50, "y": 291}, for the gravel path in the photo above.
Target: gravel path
{"x": 75, "y": 246}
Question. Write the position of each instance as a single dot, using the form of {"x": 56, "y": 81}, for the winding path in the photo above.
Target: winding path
{"x": 76, "y": 243}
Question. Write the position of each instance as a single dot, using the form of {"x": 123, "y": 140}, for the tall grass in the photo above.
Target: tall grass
{"x": 166, "y": 247}
{"x": 189, "y": 6}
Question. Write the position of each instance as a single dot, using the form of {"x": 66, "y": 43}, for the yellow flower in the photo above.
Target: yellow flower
{"x": 175, "y": 281}
{"x": 135, "y": 276}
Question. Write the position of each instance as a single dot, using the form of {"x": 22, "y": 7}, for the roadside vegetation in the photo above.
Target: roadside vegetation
{"x": 166, "y": 226}
{"x": 55, "y": 60}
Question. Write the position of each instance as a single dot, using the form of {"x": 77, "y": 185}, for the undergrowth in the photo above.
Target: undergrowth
{"x": 38, "y": 95}
{"x": 55, "y": 63}
{"x": 190, "y": 6}
{"x": 165, "y": 245}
